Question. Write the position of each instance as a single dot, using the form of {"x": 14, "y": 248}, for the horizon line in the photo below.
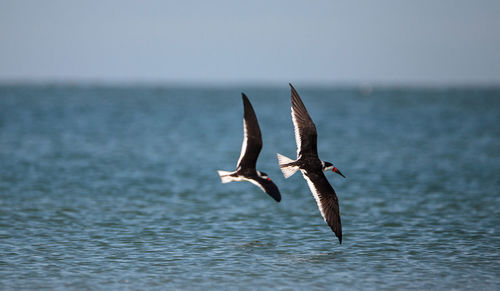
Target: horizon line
{"x": 248, "y": 83}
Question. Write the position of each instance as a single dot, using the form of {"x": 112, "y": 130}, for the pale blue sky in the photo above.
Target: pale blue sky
{"x": 386, "y": 42}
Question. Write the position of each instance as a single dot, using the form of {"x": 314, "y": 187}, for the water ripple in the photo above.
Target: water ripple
{"x": 114, "y": 188}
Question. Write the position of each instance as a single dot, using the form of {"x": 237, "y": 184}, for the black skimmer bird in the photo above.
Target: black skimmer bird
{"x": 250, "y": 149}
{"x": 311, "y": 166}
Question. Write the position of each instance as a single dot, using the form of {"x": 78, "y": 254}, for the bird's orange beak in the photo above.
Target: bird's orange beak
{"x": 337, "y": 171}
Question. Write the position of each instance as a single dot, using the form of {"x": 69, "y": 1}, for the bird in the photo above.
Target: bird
{"x": 311, "y": 166}
{"x": 250, "y": 150}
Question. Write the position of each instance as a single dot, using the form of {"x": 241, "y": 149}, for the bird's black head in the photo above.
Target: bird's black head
{"x": 327, "y": 166}
{"x": 263, "y": 175}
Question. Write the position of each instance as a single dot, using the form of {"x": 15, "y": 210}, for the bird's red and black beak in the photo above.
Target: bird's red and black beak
{"x": 337, "y": 171}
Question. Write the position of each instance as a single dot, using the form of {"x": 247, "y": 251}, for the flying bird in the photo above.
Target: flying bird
{"x": 250, "y": 149}
{"x": 311, "y": 166}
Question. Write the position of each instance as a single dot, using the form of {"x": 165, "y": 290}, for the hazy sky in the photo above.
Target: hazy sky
{"x": 413, "y": 42}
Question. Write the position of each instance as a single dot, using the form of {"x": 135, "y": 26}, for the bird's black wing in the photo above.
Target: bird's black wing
{"x": 252, "y": 138}
{"x": 326, "y": 199}
{"x": 305, "y": 131}
{"x": 267, "y": 186}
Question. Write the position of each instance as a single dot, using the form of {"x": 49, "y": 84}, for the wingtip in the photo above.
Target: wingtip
{"x": 294, "y": 92}
{"x": 246, "y": 101}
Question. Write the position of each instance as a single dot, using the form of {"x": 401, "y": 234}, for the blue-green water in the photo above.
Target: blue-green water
{"x": 117, "y": 188}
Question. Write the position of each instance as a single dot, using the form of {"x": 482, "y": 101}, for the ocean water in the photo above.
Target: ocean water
{"x": 116, "y": 188}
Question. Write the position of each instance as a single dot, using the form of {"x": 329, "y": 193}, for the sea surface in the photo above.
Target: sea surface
{"x": 116, "y": 188}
